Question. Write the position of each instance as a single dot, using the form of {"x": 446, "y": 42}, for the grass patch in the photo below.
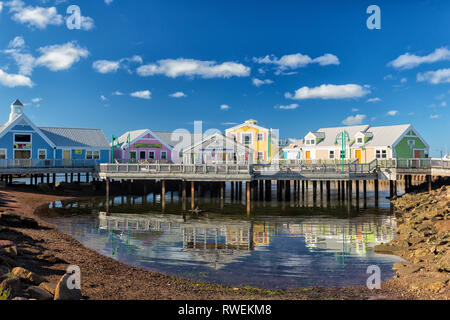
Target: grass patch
{"x": 4, "y": 294}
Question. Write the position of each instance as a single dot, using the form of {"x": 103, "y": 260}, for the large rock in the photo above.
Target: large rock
{"x": 6, "y": 243}
{"x": 62, "y": 292}
{"x": 7, "y": 261}
{"x": 13, "y": 285}
{"x": 38, "y": 293}
{"x": 47, "y": 287}
{"x": 27, "y": 275}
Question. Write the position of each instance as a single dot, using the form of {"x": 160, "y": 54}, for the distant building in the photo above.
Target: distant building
{"x": 362, "y": 143}
{"x": 218, "y": 149}
{"x": 262, "y": 140}
{"x": 23, "y": 144}
{"x": 144, "y": 146}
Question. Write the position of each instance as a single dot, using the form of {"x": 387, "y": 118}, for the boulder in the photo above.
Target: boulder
{"x": 62, "y": 292}
{"x": 47, "y": 287}
{"x": 383, "y": 248}
{"x": 38, "y": 293}
{"x": 6, "y": 243}
{"x": 44, "y": 187}
{"x": 27, "y": 275}
{"x": 7, "y": 261}
{"x": 13, "y": 285}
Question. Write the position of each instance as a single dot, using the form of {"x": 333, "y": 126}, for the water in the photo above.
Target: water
{"x": 280, "y": 245}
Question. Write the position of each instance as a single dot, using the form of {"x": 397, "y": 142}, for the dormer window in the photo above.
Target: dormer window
{"x": 359, "y": 140}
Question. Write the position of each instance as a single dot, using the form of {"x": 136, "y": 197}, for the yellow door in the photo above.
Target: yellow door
{"x": 358, "y": 155}
{"x": 308, "y": 157}
{"x": 66, "y": 157}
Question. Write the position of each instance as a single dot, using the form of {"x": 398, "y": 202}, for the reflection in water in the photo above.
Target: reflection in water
{"x": 294, "y": 247}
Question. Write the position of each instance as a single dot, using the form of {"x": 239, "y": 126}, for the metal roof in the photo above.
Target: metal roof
{"x": 69, "y": 137}
{"x": 133, "y": 135}
{"x": 17, "y": 103}
{"x": 331, "y": 133}
{"x": 386, "y": 136}
{"x": 179, "y": 140}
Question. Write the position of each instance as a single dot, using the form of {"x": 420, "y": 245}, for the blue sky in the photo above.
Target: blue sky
{"x": 292, "y": 65}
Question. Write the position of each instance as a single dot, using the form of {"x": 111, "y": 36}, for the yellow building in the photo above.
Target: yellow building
{"x": 262, "y": 140}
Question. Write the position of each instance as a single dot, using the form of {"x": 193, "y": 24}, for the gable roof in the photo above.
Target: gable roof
{"x": 69, "y": 137}
{"x": 17, "y": 103}
{"x": 249, "y": 123}
{"x": 137, "y": 135}
{"x": 218, "y": 137}
{"x": 23, "y": 118}
{"x": 386, "y": 135}
{"x": 179, "y": 140}
{"x": 329, "y": 134}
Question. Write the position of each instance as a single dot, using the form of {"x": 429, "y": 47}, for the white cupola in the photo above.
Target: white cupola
{"x": 16, "y": 110}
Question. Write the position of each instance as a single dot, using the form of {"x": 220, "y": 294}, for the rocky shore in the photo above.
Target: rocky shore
{"x": 423, "y": 239}
{"x": 34, "y": 257}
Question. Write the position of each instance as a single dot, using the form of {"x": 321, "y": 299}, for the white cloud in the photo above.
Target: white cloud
{"x": 17, "y": 43}
{"x": 61, "y": 57}
{"x": 174, "y": 68}
{"x": 117, "y": 93}
{"x": 298, "y": 60}
{"x": 288, "y": 107}
{"x": 103, "y": 98}
{"x": 443, "y": 103}
{"x": 109, "y": 66}
{"x": 258, "y": 82}
{"x": 409, "y": 61}
{"x": 373, "y": 100}
{"x": 1, "y": 6}
{"x": 435, "y": 77}
{"x": 403, "y": 80}
{"x": 108, "y": 2}
{"x": 105, "y": 66}
{"x": 354, "y": 120}
{"x": 355, "y": 109}
{"x": 87, "y": 23}
{"x": 392, "y": 113}
{"x": 146, "y": 94}
{"x": 435, "y": 116}
{"x": 178, "y": 95}
{"x": 36, "y": 100}
{"x": 14, "y": 80}
{"x": 34, "y": 17}
{"x": 330, "y": 91}
{"x": 24, "y": 61}
{"x": 225, "y": 107}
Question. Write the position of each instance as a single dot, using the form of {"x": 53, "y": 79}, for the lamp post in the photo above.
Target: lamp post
{"x": 114, "y": 140}
{"x": 344, "y": 137}
{"x": 129, "y": 148}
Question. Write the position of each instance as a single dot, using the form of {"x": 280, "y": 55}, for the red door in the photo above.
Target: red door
{"x": 417, "y": 154}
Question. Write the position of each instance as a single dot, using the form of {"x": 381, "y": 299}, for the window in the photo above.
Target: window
{"x": 163, "y": 155}
{"x": 89, "y": 155}
{"x": 359, "y": 140}
{"x": 96, "y": 155}
{"x": 22, "y": 138}
{"x": 2, "y": 154}
{"x": 142, "y": 155}
{"x": 411, "y": 143}
{"x": 247, "y": 138}
{"x": 151, "y": 155}
{"x": 22, "y": 154}
{"x": 331, "y": 156}
{"x": 42, "y": 154}
{"x": 310, "y": 142}
{"x": 381, "y": 154}
{"x": 342, "y": 154}
{"x": 233, "y": 136}
{"x": 132, "y": 155}
{"x": 260, "y": 136}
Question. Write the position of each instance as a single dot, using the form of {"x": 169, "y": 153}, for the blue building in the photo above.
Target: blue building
{"x": 23, "y": 144}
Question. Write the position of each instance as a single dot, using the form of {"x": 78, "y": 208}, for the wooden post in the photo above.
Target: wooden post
{"x": 350, "y": 190}
{"x": 87, "y": 177}
{"x": 107, "y": 195}
{"x": 192, "y": 195}
{"x": 343, "y": 190}
{"x": 268, "y": 190}
{"x": 314, "y": 190}
{"x": 66, "y": 177}
{"x": 79, "y": 176}
{"x": 339, "y": 190}
{"x": 31, "y": 179}
{"x": 328, "y": 185}
{"x": 376, "y": 182}
{"x": 283, "y": 190}
{"x": 365, "y": 189}
{"x": 288, "y": 190}
{"x": 163, "y": 194}
{"x": 303, "y": 190}
{"x": 222, "y": 190}
{"x": 406, "y": 183}
{"x": 391, "y": 189}
{"x": 261, "y": 190}
{"x": 232, "y": 190}
{"x": 429, "y": 182}
{"x": 321, "y": 190}
{"x": 248, "y": 198}
{"x": 183, "y": 195}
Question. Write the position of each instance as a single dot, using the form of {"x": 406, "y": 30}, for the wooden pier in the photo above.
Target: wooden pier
{"x": 258, "y": 178}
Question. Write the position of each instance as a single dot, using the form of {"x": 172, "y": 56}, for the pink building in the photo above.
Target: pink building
{"x": 145, "y": 147}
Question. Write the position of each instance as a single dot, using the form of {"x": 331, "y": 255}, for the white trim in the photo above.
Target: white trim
{"x": 404, "y": 134}
{"x": 251, "y": 139}
{"x": 255, "y": 126}
{"x": 381, "y": 152}
{"x": 31, "y": 154}
{"x": 23, "y": 134}
{"x": 161, "y": 153}
{"x": 154, "y": 155}
{"x": 10, "y": 125}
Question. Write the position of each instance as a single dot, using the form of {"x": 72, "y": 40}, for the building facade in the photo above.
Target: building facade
{"x": 364, "y": 143}
{"x": 23, "y": 144}
{"x": 141, "y": 146}
{"x": 263, "y": 141}
{"x": 218, "y": 149}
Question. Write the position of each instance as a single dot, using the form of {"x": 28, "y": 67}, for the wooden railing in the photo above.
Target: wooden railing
{"x": 46, "y": 164}
{"x": 175, "y": 168}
